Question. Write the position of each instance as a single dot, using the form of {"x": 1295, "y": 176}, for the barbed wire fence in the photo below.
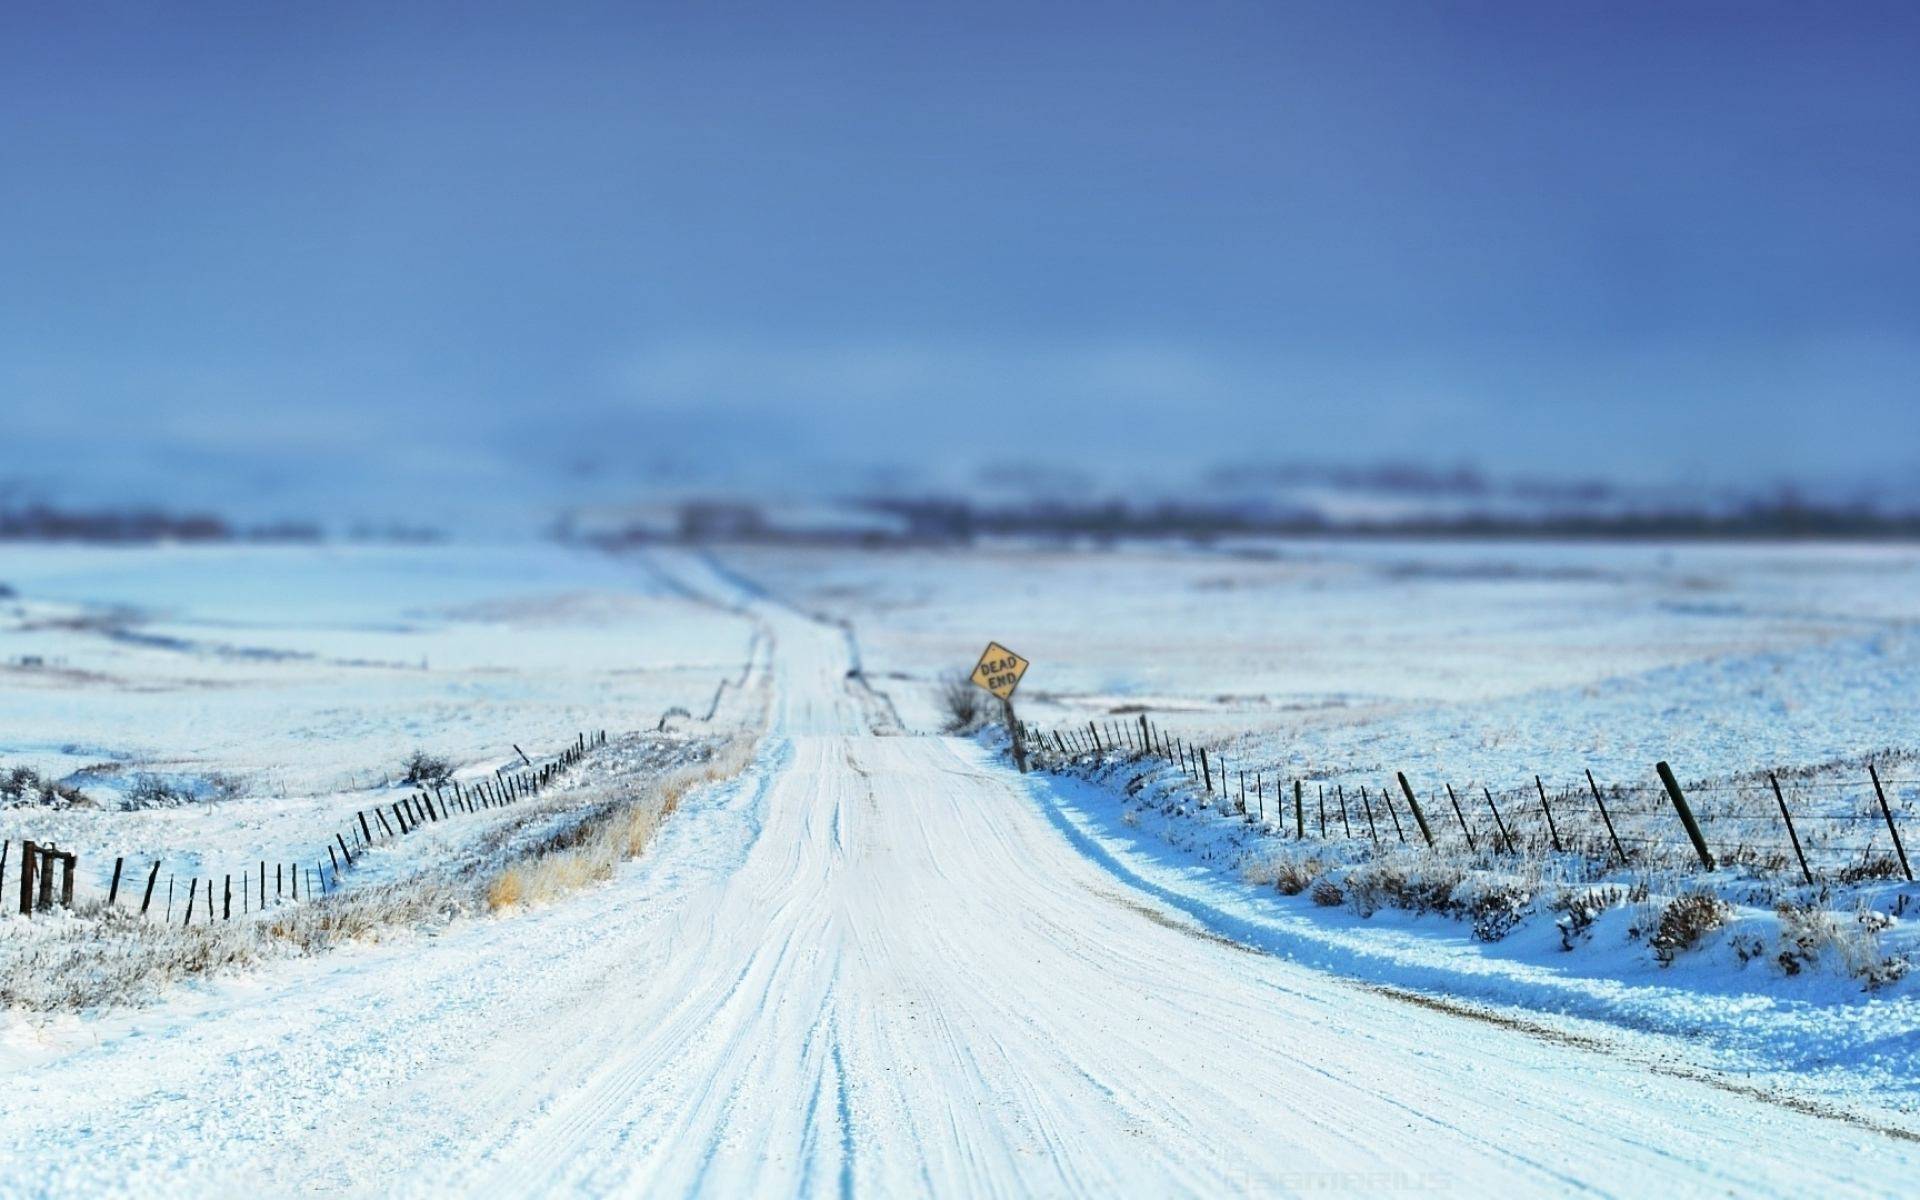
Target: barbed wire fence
{"x": 1794, "y": 822}
{"x": 221, "y": 896}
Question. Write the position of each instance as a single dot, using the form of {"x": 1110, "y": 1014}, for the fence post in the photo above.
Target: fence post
{"x": 1602, "y": 806}
{"x": 67, "y": 863}
{"x": 1419, "y": 817}
{"x": 1386, "y": 798}
{"x": 1299, "y": 812}
{"x": 1368, "y": 805}
{"x": 1095, "y": 731}
{"x": 1788, "y": 818}
{"x": 193, "y": 892}
{"x": 1552, "y": 831}
{"x": 1322, "y": 789}
{"x": 348, "y": 854}
{"x": 1340, "y": 794}
{"x": 29, "y": 855}
{"x": 1686, "y": 814}
{"x": 153, "y": 877}
{"x": 113, "y": 890}
{"x": 1462, "y": 818}
{"x": 1206, "y": 770}
{"x": 1259, "y": 797}
{"x": 226, "y": 901}
{"x": 1497, "y": 822}
{"x": 1888, "y": 814}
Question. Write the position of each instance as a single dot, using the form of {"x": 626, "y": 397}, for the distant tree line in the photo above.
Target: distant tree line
{"x": 961, "y": 520}
{"x": 44, "y": 522}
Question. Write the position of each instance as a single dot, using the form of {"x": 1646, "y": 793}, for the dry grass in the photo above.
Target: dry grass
{"x": 1685, "y": 920}
{"x": 1809, "y": 933}
{"x": 611, "y": 835}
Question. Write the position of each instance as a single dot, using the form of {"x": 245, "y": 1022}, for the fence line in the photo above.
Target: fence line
{"x": 431, "y": 802}
{"x": 1759, "y": 820}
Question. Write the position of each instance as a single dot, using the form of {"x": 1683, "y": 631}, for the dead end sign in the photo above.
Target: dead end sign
{"x": 999, "y": 670}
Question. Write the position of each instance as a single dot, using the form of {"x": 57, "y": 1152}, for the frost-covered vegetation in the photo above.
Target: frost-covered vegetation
{"x": 1761, "y": 917}
{"x": 568, "y": 838}
{"x": 24, "y": 785}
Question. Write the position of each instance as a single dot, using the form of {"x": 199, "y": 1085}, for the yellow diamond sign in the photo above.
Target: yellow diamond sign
{"x": 999, "y": 670}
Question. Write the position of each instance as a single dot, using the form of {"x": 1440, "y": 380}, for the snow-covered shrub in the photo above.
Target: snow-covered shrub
{"x": 1685, "y": 920}
{"x": 222, "y": 786}
{"x": 424, "y": 768}
{"x": 1415, "y": 885}
{"x": 1580, "y": 907}
{"x": 24, "y": 785}
{"x": 1327, "y": 894}
{"x": 148, "y": 790}
{"x": 1808, "y": 932}
{"x": 1497, "y": 906}
{"x": 1296, "y": 875}
{"x": 964, "y": 704}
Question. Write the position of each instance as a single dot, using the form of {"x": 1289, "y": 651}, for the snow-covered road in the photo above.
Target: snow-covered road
{"x": 872, "y": 965}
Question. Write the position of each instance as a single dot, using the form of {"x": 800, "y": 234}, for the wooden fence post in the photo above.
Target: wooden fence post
{"x": 1686, "y": 814}
{"x": 1552, "y": 831}
{"x": 152, "y": 878}
{"x": 1602, "y": 806}
{"x": 366, "y": 834}
{"x": 1419, "y": 817}
{"x": 193, "y": 891}
{"x": 1888, "y": 814}
{"x": 1462, "y": 818}
{"x": 1368, "y": 805}
{"x": 1386, "y": 798}
{"x": 1497, "y": 822}
{"x": 47, "y": 857}
{"x": 67, "y": 863}
{"x": 1321, "y": 788}
{"x": 1204, "y": 768}
{"x": 29, "y": 859}
{"x": 1340, "y": 794}
{"x": 1299, "y": 815}
{"x": 113, "y": 889}
{"x": 1788, "y": 818}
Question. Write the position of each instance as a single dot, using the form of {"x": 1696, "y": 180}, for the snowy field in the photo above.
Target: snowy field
{"x": 862, "y": 959}
{"x": 1481, "y": 660}
{"x": 273, "y": 690}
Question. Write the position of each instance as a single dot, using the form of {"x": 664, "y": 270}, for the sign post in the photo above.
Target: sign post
{"x": 999, "y": 671}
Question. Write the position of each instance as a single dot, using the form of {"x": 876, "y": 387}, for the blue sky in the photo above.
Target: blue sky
{"x": 1654, "y": 240}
